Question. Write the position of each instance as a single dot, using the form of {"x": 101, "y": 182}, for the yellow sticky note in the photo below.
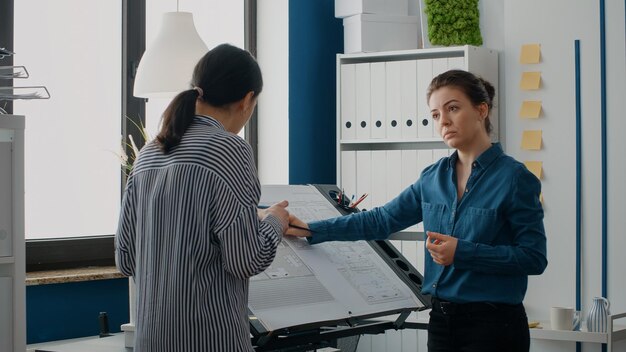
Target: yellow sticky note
{"x": 530, "y": 109}
{"x": 531, "y": 53}
{"x": 536, "y": 167}
{"x": 530, "y": 80}
{"x": 531, "y": 140}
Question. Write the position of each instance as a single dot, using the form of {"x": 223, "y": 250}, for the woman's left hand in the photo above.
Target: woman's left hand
{"x": 441, "y": 247}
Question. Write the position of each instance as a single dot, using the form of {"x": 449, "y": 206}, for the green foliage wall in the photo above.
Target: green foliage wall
{"x": 453, "y": 22}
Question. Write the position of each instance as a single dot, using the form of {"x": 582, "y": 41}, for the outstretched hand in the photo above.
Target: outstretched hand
{"x": 297, "y": 227}
{"x": 441, "y": 247}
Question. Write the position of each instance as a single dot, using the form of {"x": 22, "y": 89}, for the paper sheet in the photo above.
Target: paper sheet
{"x": 536, "y": 167}
{"x": 530, "y": 80}
{"x": 530, "y": 109}
{"x": 530, "y": 54}
{"x": 531, "y": 140}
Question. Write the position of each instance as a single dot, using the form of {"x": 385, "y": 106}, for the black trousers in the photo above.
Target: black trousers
{"x": 480, "y": 327}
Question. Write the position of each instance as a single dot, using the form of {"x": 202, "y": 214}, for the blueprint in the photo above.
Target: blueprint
{"x": 324, "y": 282}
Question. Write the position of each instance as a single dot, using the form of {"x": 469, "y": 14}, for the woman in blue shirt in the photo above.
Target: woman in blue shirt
{"x": 484, "y": 221}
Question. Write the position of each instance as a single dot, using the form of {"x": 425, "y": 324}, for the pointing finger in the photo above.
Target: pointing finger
{"x": 283, "y": 203}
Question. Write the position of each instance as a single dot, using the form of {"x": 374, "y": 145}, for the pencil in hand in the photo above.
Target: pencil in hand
{"x": 300, "y": 228}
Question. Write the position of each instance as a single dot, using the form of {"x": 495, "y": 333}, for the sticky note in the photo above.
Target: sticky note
{"x": 536, "y": 167}
{"x": 530, "y": 80}
{"x": 530, "y": 109}
{"x": 530, "y": 54}
{"x": 531, "y": 140}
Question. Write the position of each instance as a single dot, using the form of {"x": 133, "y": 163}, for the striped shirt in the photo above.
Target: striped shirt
{"x": 189, "y": 234}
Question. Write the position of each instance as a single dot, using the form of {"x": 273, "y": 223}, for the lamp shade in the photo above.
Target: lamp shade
{"x": 166, "y": 67}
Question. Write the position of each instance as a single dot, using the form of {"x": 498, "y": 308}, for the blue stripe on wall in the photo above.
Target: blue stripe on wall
{"x": 70, "y": 310}
{"x": 604, "y": 151}
{"x": 315, "y": 37}
{"x": 578, "y": 180}
{"x": 578, "y": 171}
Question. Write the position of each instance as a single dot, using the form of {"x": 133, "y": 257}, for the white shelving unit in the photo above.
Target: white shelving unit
{"x": 614, "y": 333}
{"x": 386, "y": 137}
{"x": 12, "y": 250}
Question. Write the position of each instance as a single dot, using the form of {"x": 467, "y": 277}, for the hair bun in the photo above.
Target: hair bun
{"x": 491, "y": 91}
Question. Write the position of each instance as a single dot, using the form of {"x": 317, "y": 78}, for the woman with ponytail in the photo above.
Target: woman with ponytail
{"x": 190, "y": 231}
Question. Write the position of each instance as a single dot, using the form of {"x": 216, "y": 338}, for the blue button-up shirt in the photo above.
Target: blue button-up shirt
{"x": 498, "y": 223}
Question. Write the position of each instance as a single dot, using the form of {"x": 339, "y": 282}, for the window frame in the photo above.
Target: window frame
{"x": 75, "y": 252}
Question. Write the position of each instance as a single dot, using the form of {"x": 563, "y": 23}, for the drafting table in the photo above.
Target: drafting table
{"x": 328, "y": 290}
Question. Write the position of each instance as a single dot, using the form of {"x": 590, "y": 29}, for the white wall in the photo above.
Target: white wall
{"x": 616, "y": 125}
{"x": 555, "y": 25}
{"x": 273, "y": 107}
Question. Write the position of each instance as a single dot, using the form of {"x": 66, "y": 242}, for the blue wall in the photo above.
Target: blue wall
{"x": 65, "y": 311}
{"x": 315, "y": 37}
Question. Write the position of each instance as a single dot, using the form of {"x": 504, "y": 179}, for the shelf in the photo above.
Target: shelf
{"x": 7, "y": 260}
{"x": 13, "y": 72}
{"x": 386, "y": 144}
{"x": 617, "y": 333}
{"x": 430, "y": 53}
{"x": 394, "y": 141}
{"x": 408, "y": 236}
{"x": 24, "y": 93}
{"x": 563, "y": 335}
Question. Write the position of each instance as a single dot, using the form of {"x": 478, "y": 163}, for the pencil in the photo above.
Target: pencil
{"x": 300, "y": 228}
{"x": 359, "y": 201}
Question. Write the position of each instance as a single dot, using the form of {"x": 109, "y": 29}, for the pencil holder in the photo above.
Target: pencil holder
{"x": 341, "y": 201}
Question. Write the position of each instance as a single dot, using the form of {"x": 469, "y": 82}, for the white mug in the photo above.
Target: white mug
{"x": 562, "y": 318}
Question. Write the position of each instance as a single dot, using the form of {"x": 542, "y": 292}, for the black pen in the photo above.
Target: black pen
{"x": 301, "y": 228}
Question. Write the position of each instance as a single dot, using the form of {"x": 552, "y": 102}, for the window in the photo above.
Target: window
{"x": 72, "y": 173}
{"x": 86, "y": 54}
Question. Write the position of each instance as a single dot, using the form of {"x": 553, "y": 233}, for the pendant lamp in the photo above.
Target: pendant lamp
{"x": 166, "y": 67}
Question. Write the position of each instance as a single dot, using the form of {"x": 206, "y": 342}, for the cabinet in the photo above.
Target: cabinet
{"x": 12, "y": 250}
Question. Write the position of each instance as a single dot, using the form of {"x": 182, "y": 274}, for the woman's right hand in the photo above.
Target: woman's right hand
{"x": 297, "y": 227}
{"x": 280, "y": 213}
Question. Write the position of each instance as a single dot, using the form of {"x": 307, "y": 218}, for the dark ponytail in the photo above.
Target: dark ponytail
{"x": 223, "y": 76}
{"x": 176, "y": 119}
{"x": 475, "y": 88}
